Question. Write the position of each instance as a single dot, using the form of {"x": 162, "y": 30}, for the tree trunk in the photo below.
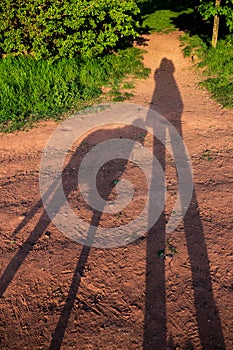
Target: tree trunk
{"x": 216, "y": 26}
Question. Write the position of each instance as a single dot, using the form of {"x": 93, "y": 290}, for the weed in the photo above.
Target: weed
{"x": 206, "y": 155}
{"x": 115, "y": 182}
{"x": 171, "y": 247}
{"x": 161, "y": 253}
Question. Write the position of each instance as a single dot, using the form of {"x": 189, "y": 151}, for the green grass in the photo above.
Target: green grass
{"x": 193, "y": 46}
{"x": 163, "y": 21}
{"x": 163, "y": 15}
{"x": 217, "y": 66}
{"x": 31, "y": 89}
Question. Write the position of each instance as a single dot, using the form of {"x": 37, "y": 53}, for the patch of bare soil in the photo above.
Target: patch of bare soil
{"x": 160, "y": 292}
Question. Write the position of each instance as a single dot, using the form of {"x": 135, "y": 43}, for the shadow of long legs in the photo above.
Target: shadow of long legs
{"x": 69, "y": 303}
{"x": 28, "y": 245}
{"x": 167, "y": 99}
{"x": 74, "y": 286}
{"x": 208, "y": 320}
{"x": 155, "y": 306}
{"x": 23, "y": 252}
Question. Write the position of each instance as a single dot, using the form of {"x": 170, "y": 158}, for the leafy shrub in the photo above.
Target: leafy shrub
{"x": 65, "y": 28}
{"x": 208, "y": 9}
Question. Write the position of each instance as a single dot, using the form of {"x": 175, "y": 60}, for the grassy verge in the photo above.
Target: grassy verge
{"x": 39, "y": 89}
{"x": 217, "y": 65}
{"x": 163, "y": 21}
{"x": 163, "y": 15}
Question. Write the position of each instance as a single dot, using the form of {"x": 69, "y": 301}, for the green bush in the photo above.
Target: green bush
{"x": 208, "y": 9}
{"x": 65, "y": 28}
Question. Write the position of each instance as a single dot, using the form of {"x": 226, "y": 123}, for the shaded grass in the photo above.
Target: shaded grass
{"x": 32, "y": 89}
{"x": 150, "y": 6}
{"x": 162, "y": 15}
{"x": 163, "y": 21}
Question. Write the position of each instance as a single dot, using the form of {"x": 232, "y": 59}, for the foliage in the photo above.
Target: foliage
{"x": 193, "y": 45}
{"x": 161, "y": 15}
{"x": 32, "y": 89}
{"x": 65, "y": 28}
{"x": 162, "y": 21}
{"x": 208, "y": 9}
{"x": 216, "y": 64}
{"x": 150, "y": 6}
{"x": 219, "y": 71}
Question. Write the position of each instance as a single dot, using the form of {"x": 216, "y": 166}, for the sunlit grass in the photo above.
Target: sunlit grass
{"x": 33, "y": 89}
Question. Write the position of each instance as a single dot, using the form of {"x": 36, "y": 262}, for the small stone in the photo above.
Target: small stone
{"x": 47, "y": 234}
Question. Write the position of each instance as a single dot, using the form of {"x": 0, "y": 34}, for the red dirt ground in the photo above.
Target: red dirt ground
{"x": 56, "y": 294}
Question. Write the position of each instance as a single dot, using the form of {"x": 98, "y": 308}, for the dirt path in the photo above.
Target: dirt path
{"x": 57, "y": 294}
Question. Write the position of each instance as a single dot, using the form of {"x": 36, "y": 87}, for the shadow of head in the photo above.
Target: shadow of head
{"x": 166, "y": 66}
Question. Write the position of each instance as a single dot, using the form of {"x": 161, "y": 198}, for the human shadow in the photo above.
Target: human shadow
{"x": 106, "y": 183}
{"x": 167, "y": 101}
{"x": 106, "y": 186}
